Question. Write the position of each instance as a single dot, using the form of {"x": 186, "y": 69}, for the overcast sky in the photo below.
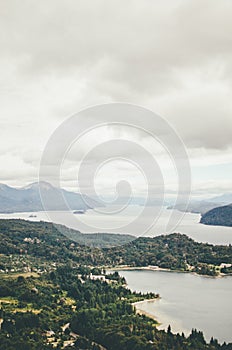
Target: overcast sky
{"x": 171, "y": 56}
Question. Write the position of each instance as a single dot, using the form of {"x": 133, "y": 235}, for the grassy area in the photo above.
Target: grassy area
{"x": 16, "y": 275}
{"x": 69, "y": 301}
{"x": 8, "y": 300}
{"x": 26, "y": 309}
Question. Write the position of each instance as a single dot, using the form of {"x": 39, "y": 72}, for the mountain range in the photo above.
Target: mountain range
{"x": 205, "y": 205}
{"x": 28, "y": 198}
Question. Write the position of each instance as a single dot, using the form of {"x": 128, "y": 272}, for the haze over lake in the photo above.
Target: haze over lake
{"x": 105, "y": 222}
{"x": 187, "y": 301}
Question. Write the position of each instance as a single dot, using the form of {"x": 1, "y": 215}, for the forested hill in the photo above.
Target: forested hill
{"x": 69, "y": 309}
{"x": 175, "y": 251}
{"x": 17, "y": 229}
{"x": 24, "y": 240}
{"x": 49, "y": 299}
{"x": 220, "y": 216}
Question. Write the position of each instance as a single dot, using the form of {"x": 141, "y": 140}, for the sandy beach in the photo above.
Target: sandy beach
{"x": 140, "y": 311}
{"x": 157, "y": 268}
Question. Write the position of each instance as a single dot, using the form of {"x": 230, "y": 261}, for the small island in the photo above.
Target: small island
{"x": 81, "y": 211}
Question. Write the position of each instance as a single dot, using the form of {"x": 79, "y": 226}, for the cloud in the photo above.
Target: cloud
{"x": 140, "y": 44}
{"x": 58, "y": 57}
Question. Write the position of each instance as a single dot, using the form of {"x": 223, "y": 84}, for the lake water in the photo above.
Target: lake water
{"x": 187, "y": 301}
{"x": 124, "y": 222}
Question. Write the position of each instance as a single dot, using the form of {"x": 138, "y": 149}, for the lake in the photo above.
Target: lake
{"x": 187, "y": 301}
{"x": 117, "y": 222}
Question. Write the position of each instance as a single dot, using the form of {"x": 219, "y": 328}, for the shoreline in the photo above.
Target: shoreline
{"x": 150, "y": 268}
{"x": 146, "y": 313}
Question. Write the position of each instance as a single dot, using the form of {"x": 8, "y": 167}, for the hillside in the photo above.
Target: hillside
{"x": 220, "y": 216}
{"x": 69, "y": 309}
{"x": 20, "y": 233}
{"x": 225, "y": 198}
{"x": 196, "y": 207}
{"x": 204, "y": 205}
{"x": 21, "y": 242}
{"x": 27, "y": 199}
{"x": 54, "y": 293}
{"x": 175, "y": 251}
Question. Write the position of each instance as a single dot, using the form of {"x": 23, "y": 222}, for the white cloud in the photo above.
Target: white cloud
{"x": 58, "y": 57}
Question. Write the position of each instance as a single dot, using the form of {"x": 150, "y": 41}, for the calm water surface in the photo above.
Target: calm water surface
{"x": 103, "y": 222}
{"x": 187, "y": 301}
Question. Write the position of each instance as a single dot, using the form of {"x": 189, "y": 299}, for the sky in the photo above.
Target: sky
{"x": 173, "y": 57}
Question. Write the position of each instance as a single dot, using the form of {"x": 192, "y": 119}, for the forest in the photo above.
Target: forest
{"x": 40, "y": 245}
{"x": 55, "y": 292}
{"x": 67, "y": 308}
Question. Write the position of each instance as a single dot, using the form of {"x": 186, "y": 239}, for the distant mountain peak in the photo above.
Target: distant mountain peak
{"x": 224, "y": 198}
{"x": 40, "y": 184}
{"x": 3, "y": 186}
{"x": 27, "y": 198}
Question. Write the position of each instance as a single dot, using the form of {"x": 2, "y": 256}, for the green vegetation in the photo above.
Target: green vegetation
{"x": 220, "y": 216}
{"x": 54, "y": 292}
{"x": 73, "y": 309}
{"x": 39, "y": 246}
{"x": 175, "y": 252}
{"x": 100, "y": 240}
{"x": 40, "y": 230}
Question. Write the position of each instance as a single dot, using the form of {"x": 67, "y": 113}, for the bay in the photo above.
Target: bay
{"x": 187, "y": 301}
